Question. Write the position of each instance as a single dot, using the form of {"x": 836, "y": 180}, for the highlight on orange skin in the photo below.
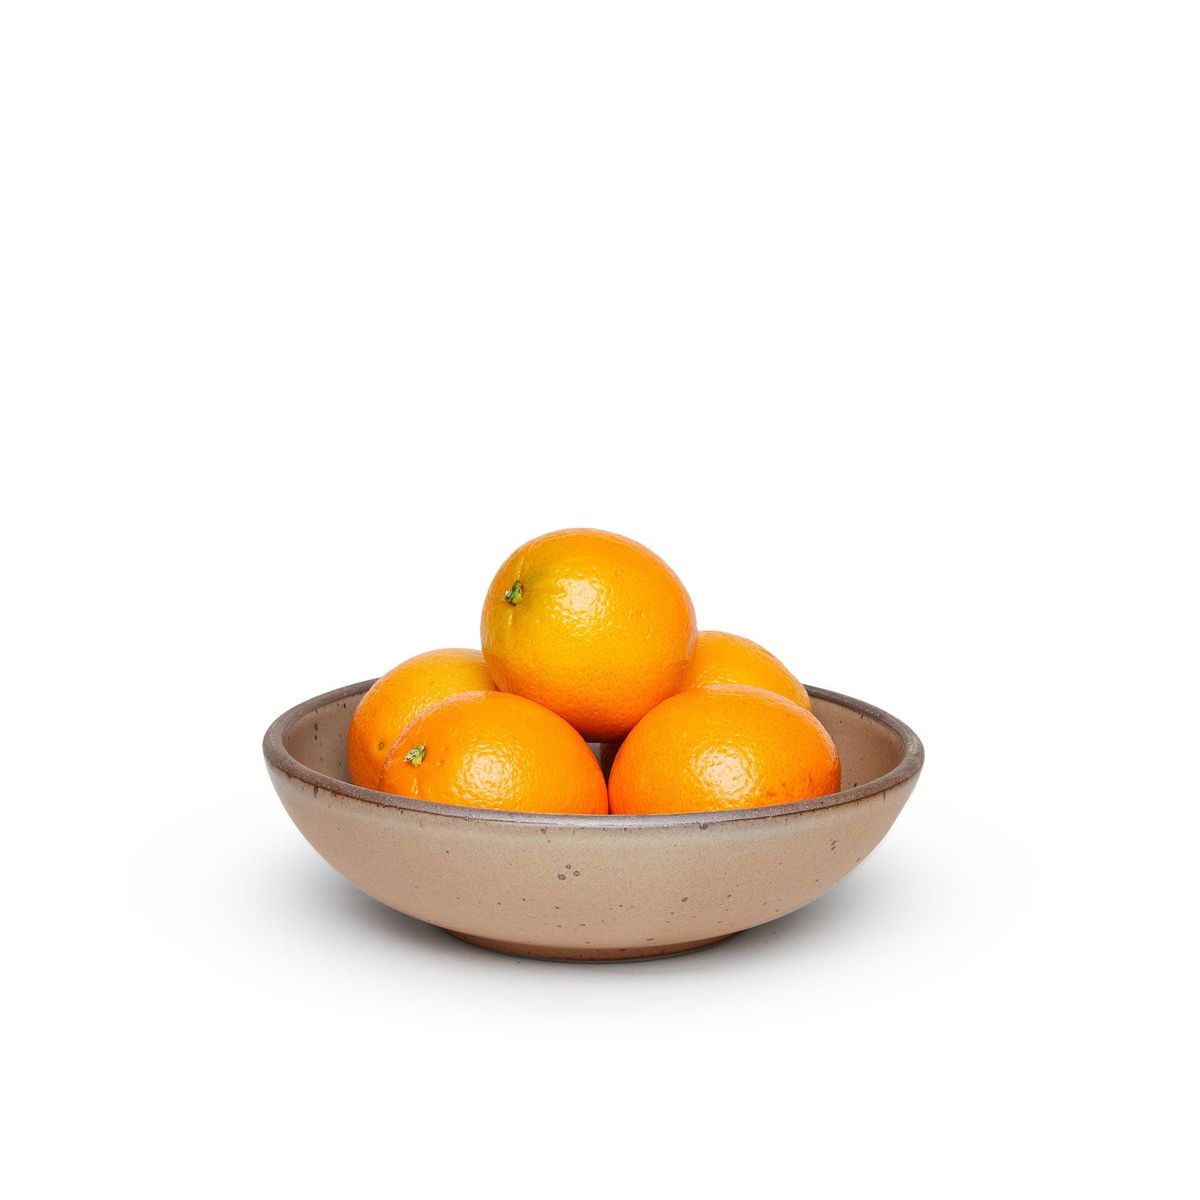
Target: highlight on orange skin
{"x": 495, "y": 750}
{"x": 721, "y": 747}
{"x": 591, "y": 625}
{"x": 403, "y": 693}
{"x": 728, "y": 658}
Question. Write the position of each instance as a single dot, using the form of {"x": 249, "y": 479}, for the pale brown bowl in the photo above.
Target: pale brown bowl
{"x": 600, "y": 887}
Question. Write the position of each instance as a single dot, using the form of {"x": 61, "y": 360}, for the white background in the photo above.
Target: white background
{"x": 878, "y": 322}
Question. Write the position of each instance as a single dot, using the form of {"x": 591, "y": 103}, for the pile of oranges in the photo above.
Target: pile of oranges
{"x": 589, "y": 637}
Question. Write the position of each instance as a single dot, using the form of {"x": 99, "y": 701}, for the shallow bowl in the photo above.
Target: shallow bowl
{"x": 591, "y": 887}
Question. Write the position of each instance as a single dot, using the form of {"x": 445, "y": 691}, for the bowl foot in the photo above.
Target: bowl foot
{"x": 587, "y": 953}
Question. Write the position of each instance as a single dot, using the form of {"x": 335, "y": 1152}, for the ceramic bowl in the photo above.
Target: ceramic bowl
{"x": 591, "y": 887}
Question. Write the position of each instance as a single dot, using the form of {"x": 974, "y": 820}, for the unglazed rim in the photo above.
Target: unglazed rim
{"x": 277, "y": 755}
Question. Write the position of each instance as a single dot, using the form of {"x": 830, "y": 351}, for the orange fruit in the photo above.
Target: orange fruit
{"x": 727, "y": 658}
{"x": 590, "y": 624}
{"x": 400, "y": 695}
{"x": 495, "y": 750}
{"x": 723, "y": 747}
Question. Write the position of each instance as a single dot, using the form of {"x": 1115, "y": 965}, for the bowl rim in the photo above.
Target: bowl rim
{"x": 277, "y": 756}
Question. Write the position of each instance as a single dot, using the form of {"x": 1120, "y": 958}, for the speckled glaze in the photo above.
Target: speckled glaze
{"x": 591, "y": 887}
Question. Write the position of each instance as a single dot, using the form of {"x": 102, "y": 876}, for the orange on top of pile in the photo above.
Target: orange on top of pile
{"x": 588, "y": 636}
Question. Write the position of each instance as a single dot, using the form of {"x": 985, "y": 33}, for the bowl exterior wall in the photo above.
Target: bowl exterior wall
{"x": 587, "y": 888}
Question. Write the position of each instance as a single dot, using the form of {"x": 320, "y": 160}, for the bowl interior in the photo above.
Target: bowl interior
{"x": 869, "y": 747}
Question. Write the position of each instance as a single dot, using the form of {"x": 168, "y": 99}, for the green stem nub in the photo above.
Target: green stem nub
{"x": 416, "y": 755}
{"x": 514, "y": 593}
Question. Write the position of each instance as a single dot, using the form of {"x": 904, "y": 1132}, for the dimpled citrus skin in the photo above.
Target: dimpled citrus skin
{"x": 495, "y": 750}
{"x": 592, "y": 625}
{"x": 727, "y": 658}
{"x": 722, "y": 747}
{"x": 399, "y": 696}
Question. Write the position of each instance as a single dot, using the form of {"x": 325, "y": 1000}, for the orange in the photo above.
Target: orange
{"x": 495, "y": 750}
{"x": 727, "y": 658}
{"x": 399, "y": 696}
{"x": 590, "y": 624}
{"x": 723, "y": 747}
